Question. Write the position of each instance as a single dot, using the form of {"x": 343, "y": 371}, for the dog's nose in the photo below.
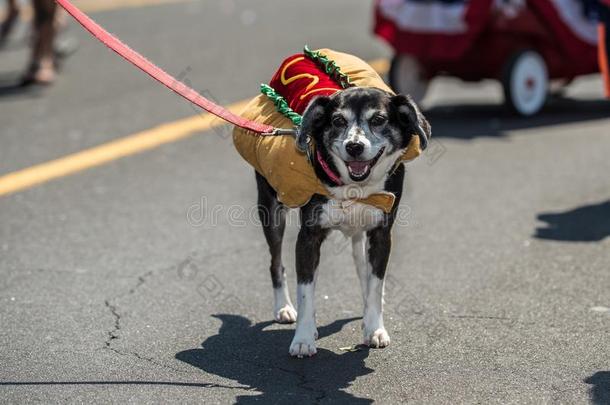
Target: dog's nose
{"x": 355, "y": 149}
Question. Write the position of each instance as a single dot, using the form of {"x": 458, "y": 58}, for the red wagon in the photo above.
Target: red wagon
{"x": 523, "y": 44}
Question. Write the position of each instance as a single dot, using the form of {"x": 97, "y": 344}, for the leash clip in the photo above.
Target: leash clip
{"x": 283, "y": 131}
{"x": 308, "y": 143}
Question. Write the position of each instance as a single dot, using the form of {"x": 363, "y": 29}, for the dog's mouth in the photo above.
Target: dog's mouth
{"x": 360, "y": 169}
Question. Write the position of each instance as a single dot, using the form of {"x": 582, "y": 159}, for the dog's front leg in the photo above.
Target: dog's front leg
{"x": 380, "y": 244}
{"x": 307, "y": 258}
{"x": 359, "y": 252}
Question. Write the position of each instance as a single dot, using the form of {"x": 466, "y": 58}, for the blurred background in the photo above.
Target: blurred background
{"x": 131, "y": 267}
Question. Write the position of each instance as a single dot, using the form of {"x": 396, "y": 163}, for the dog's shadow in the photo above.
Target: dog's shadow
{"x": 258, "y": 358}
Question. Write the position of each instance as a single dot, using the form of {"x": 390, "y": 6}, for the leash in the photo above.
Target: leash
{"x": 165, "y": 78}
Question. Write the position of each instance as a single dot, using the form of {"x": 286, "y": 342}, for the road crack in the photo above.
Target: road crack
{"x": 114, "y": 333}
{"x": 319, "y": 394}
{"x": 303, "y": 381}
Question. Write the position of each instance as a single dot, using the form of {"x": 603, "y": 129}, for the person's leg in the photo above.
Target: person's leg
{"x": 60, "y": 20}
{"x": 42, "y": 65}
{"x": 12, "y": 14}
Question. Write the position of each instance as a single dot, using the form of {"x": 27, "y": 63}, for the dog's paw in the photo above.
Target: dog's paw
{"x": 286, "y": 314}
{"x": 304, "y": 341}
{"x": 303, "y": 347}
{"x": 377, "y": 339}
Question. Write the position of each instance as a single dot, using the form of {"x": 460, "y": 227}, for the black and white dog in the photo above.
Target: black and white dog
{"x": 361, "y": 134}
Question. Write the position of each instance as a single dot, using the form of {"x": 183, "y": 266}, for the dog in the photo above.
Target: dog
{"x": 356, "y": 138}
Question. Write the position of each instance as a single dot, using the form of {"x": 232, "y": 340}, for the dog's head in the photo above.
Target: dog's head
{"x": 362, "y": 132}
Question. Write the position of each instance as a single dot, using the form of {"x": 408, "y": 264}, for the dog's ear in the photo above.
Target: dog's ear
{"x": 315, "y": 117}
{"x": 411, "y": 119}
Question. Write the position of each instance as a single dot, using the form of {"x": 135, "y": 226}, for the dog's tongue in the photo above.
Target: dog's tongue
{"x": 358, "y": 167}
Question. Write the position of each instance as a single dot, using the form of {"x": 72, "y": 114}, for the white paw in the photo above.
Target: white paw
{"x": 303, "y": 347}
{"x": 287, "y": 314}
{"x": 377, "y": 339}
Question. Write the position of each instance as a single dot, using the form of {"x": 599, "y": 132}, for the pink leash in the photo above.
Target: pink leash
{"x": 164, "y": 78}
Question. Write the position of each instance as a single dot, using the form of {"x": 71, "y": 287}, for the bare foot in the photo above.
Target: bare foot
{"x": 40, "y": 73}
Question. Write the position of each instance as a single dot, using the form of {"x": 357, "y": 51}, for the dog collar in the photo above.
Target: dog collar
{"x": 332, "y": 175}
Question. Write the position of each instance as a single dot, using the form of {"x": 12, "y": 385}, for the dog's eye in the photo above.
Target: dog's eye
{"x": 339, "y": 122}
{"x": 378, "y": 120}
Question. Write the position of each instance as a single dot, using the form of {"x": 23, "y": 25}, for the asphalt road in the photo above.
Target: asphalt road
{"x": 144, "y": 280}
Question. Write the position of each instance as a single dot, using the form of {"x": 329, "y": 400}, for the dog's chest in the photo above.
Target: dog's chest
{"x": 350, "y": 217}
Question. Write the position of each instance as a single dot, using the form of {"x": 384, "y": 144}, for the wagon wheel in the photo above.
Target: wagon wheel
{"x": 407, "y": 77}
{"x": 526, "y": 82}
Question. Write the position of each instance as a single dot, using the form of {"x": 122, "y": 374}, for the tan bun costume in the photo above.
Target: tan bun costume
{"x": 301, "y": 78}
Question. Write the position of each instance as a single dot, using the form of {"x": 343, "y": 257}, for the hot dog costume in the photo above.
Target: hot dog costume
{"x": 299, "y": 79}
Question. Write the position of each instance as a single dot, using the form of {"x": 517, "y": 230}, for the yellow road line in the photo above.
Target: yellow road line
{"x": 127, "y": 146}
{"x": 108, "y": 152}
{"x": 92, "y": 6}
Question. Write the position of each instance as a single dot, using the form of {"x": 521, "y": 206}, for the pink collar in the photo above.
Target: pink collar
{"x": 332, "y": 175}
